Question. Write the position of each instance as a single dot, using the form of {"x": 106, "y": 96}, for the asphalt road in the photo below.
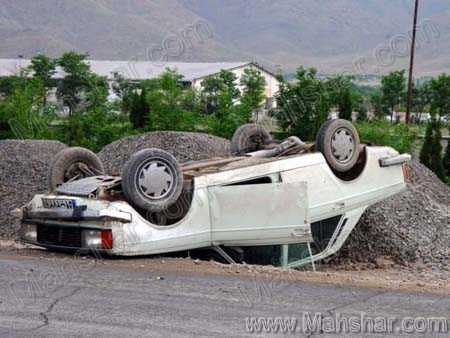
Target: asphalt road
{"x": 67, "y": 297}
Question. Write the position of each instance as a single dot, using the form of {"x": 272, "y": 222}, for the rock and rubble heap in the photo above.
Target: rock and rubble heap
{"x": 23, "y": 173}
{"x": 413, "y": 226}
{"x": 184, "y": 146}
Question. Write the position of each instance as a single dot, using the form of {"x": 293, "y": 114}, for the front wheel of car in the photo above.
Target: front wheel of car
{"x": 152, "y": 180}
{"x": 338, "y": 141}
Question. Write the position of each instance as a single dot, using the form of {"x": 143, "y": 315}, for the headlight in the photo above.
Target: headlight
{"x": 96, "y": 239}
{"x": 29, "y": 232}
{"x": 92, "y": 239}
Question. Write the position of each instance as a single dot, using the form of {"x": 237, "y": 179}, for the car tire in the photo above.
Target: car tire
{"x": 152, "y": 180}
{"x": 67, "y": 164}
{"x": 338, "y": 141}
{"x": 248, "y": 138}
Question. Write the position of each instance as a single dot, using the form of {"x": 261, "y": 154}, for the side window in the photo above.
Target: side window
{"x": 260, "y": 180}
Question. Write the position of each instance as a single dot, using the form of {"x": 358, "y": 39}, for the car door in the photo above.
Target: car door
{"x": 259, "y": 214}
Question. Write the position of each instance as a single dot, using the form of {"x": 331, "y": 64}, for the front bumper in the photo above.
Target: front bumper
{"x": 86, "y": 228}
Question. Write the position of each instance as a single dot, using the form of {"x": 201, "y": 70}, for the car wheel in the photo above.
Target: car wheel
{"x": 248, "y": 138}
{"x": 152, "y": 180}
{"x": 71, "y": 164}
{"x": 338, "y": 141}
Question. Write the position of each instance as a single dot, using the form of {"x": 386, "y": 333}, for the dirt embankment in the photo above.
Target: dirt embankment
{"x": 23, "y": 173}
{"x": 184, "y": 146}
{"x": 413, "y": 226}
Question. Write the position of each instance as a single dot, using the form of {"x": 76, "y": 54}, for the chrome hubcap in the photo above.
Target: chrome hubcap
{"x": 155, "y": 179}
{"x": 343, "y": 145}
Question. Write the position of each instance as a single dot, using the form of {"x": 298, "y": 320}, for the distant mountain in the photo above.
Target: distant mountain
{"x": 368, "y": 36}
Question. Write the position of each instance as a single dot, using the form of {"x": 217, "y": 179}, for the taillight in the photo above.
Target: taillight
{"x": 406, "y": 173}
{"x": 107, "y": 239}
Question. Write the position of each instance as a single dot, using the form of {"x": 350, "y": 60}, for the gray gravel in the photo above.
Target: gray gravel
{"x": 23, "y": 172}
{"x": 413, "y": 226}
{"x": 184, "y": 146}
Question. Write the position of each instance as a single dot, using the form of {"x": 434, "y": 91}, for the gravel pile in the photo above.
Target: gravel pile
{"x": 184, "y": 146}
{"x": 413, "y": 226}
{"x": 23, "y": 171}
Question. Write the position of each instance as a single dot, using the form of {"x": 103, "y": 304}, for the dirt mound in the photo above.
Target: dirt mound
{"x": 23, "y": 171}
{"x": 413, "y": 226}
{"x": 184, "y": 146}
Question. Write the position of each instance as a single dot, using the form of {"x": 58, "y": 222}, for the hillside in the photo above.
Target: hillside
{"x": 331, "y": 35}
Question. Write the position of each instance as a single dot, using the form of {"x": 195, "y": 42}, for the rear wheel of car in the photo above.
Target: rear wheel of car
{"x": 72, "y": 164}
{"x": 248, "y": 138}
{"x": 338, "y": 141}
{"x": 152, "y": 180}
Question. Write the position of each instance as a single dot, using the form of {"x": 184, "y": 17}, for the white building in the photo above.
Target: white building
{"x": 193, "y": 73}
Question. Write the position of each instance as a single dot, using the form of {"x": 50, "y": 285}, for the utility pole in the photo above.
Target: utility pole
{"x": 411, "y": 64}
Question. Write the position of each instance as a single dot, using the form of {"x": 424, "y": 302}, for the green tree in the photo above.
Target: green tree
{"x": 362, "y": 113}
{"x": 446, "y": 161}
{"x": 218, "y": 85}
{"x": 139, "y": 109}
{"x": 23, "y": 113}
{"x": 340, "y": 91}
{"x": 9, "y": 84}
{"x": 431, "y": 153}
{"x": 380, "y": 109}
{"x": 425, "y": 153}
{"x": 71, "y": 87}
{"x": 440, "y": 95}
{"x": 421, "y": 99}
{"x": 303, "y": 106}
{"x": 170, "y": 104}
{"x": 393, "y": 89}
{"x": 253, "y": 92}
{"x": 44, "y": 68}
{"x": 223, "y": 104}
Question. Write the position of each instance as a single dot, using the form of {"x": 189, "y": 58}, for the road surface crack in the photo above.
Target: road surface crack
{"x": 44, "y": 315}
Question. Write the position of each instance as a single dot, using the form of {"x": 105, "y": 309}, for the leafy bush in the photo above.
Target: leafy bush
{"x": 398, "y": 136}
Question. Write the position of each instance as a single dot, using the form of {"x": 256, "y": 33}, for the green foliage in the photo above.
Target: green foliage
{"x": 446, "y": 161}
{"x": 340, "y": 91}
{"x": 380, "y": 132}
{"x": 216, "y": 88}
{"x": 94, "y": 129}
{"x": 44, "y": 68}
{"x": 224, "y": 106}
{"x": 23, "y": 114}
{"x": 440, "y": 95}
{"x": 431, "y": 153}
{"x": 139, "y": 109}
{"x": 393, "y": 89}
{"x": 9, "y": 84}
{"x": 362, "y": 114}
{"x": 425, "y": 153}
{"x": 379, "y": 107}
{"x": 421, "y": 98}
{"x": 81, "y": 88}
{"x": 254, "y": 85}
{"x": 170, "y": 105}
{"x": 303, "y": 106}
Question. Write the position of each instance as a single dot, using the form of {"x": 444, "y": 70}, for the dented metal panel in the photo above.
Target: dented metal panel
{"x": 260, "y": 213}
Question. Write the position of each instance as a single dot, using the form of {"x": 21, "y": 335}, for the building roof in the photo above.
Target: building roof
{"x": 134, "y": 70}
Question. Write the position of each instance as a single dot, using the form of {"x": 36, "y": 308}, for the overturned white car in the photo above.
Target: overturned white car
{"x": 267, "y": 194}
